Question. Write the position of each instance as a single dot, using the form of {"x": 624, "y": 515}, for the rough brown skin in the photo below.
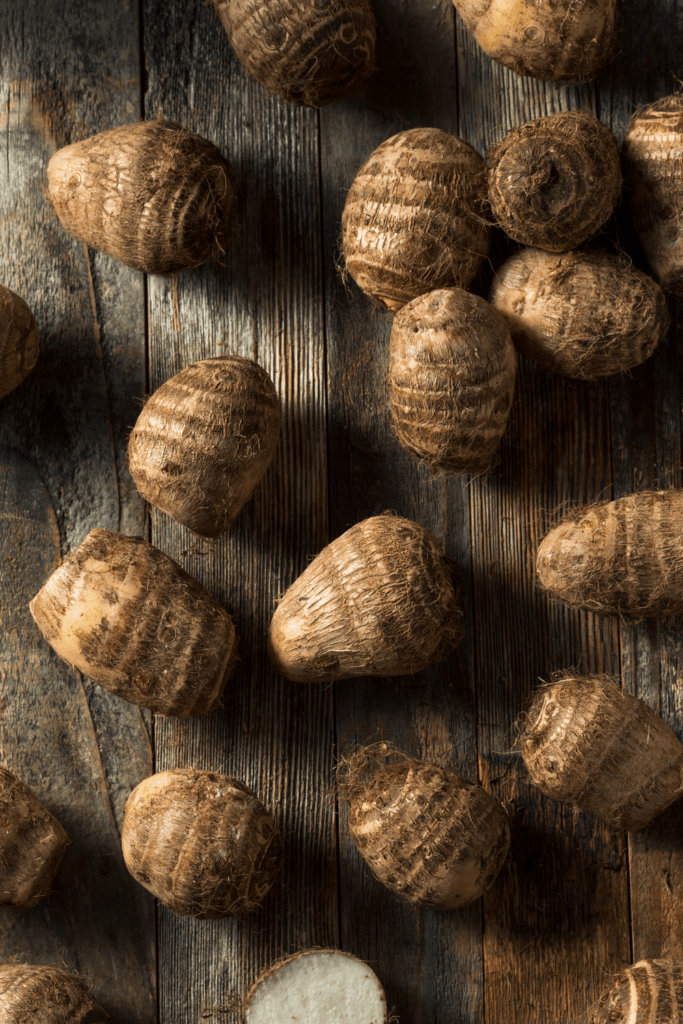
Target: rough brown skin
{"x": 452, "y": 371}
{"x": 622, "y": 557}
{"x": 553, "y": 182}
{"x": 380, "y": 600}
{"x": 127, "y": 616}
{"x": 582, "y": 314}
{"x": 18, "y": 341}
{"x": 310, "y": 53}
{"x": 152, "y": 195}
{"x": 45, "y": 995}
{"x": 203, "y": 441}
{"x": 590, "y": 745}
{"x": 649, "y": 992}
{"x": 410, "y": 223}
{"x": 203, "y": 843}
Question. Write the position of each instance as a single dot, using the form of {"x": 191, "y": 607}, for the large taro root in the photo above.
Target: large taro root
{"x": 152, "y": 195}
{"x": 380, "y": 600}
{"x": 452, "y": 371}
{"x": 553, "y": 182}
{"x": 126, "y": 615}
{"x": 203, "y": 843}
{"x": 18, "y": 341}
{"x": 649, "y": 992}
{"x": 308, "y": 53}
{"x": 412, "y": 219}
{"x": 45, "y": 995}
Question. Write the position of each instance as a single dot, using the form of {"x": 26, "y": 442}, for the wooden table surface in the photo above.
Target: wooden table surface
{"x": 575, "y": 901}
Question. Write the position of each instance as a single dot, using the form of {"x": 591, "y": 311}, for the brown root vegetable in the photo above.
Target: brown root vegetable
{"x": 590, "y": 745}
{"x": 202, "y": 843}
{"x": 584, "y": 315}
{"x": 18, "y": 341}
{"x": 553, "y": 182}
{"x": 411, "y": 222}
{"x": 431, "y": 837}
{"x": 649, "y": 992}
{"x": 380, "y": 600}
{"x": 310, "y": 53}
{"x": 152, "y": 195}
{"x": 622, "y": 557}
{"x": 126, "y": 615}
{"x": 451, "y": 380}
{"x": 45, "y": 995}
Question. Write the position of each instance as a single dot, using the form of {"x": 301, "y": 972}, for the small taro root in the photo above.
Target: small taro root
{"x": 18, "y": 341}
{"x": 584, "y": 315}
{"x": 126, "y": 615}
{"x": 380, "y": 600}
{"x": 202, "y": 843}
{"x": 152, "y": 195}
{"x": 622, "y": 557}
{"x": 45, "y": 995}
{"x": 308, "y": 53}
{"x": 316, "y": 986}
{"x": 451, "y": 380}
{"x": 590, "y": 745}
{"x": 649, "y": 992}
{"x": 411, "y": 222}
{"x": 431, "y": 837}
{"x": 203, "y": 441}
{"x": 555, "y": 181}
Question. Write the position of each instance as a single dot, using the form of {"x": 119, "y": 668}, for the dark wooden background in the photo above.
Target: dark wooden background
{"x": 574, "y": 901}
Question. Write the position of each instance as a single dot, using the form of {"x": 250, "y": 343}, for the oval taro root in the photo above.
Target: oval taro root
{"x": 452, "y": 370}
{"x": 411, "y": 221}
{"x": 18, "y": 341}
{"x": 553, "y": 182}
{"x": 380, "y": 600}
{"x": 649, "y": 992}
{"x": 590, "y": 745}
{"x": 152, "y": 195}
{"x": 126, "y": 615}
{"x": 45, "y": 995}
{"x": 201, "y": 842}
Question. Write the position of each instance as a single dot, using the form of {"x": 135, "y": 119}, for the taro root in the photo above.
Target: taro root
{"x": 316, "y": 986}
{"x": 649, "y": 992}
{"x": 553, "y": 182}
{"x": 126, "y": 615}
{"x": 431, "y": 837}
{"x": 152, "y": 195}
{"x": 202, "y": 843}
{"x": 584, "y": 315}
{"x": 622, "y": 557}
{"x": 380, "y": 600}
{"x": 203, "y": 441}
{"x": 590, "y": 745}
{"x": 45, "y": 995}
{"x": 308, "y": 53}
{"x": 411, "y": 222}
{"x": 451, "y": 380}
{"x": 18, "y": 341}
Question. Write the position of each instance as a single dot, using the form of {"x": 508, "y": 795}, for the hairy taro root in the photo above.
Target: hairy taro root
{"x": 380, "y": 600}
{"x": 582, "y": 314}
{"x": 45, "y": 995}
{"x": 553, "y": 182}
{"x": 201, "y": 842}
{"x": 126, "y": 615}
{"x": 451, "y": 380}
{"x": 411, "y": 221}
{"x": 152, "y": 195}
{"x": 649, "y": 992}
{"x": 308, "y": 53}
{"x": 203, "y": 441}
{"x": 18, "y": 341}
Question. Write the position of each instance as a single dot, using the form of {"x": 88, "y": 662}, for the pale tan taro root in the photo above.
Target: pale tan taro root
{"x": 380, "y": 600}
{"x": 452, "y": 371}
{"x": 308, "y": 53}
{"x": 152, "y": 195}
{"x": 18, "y": 341}
{"x": 412, "y": 219}
{"x": 316, "y": 986}
{"x": 553, "y": 182}
{"x": 203, "y": 843}
{"x": 126, "y": 615}
{"x": 45, "y": 995}
{"x": 649, "y": 992}
{"x": 203, "y": 441}
{"x": 431, "y": 837}
{"x": 622, "y": 557}
{"x": 582, "y": 314}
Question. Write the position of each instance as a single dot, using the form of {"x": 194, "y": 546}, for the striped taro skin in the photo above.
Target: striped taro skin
{"x": 203, "y": 843}
{"x": 204, "y": 440}
{"x": 18, "y": 341}
{"x": 409, "y": 224}
{"x": 649, "y": 992}
{"x": 452, "y": 370}
{"x": 152, "y": 195}
{"x": 45, "y": 995}
{"x": 127, "y": 616}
